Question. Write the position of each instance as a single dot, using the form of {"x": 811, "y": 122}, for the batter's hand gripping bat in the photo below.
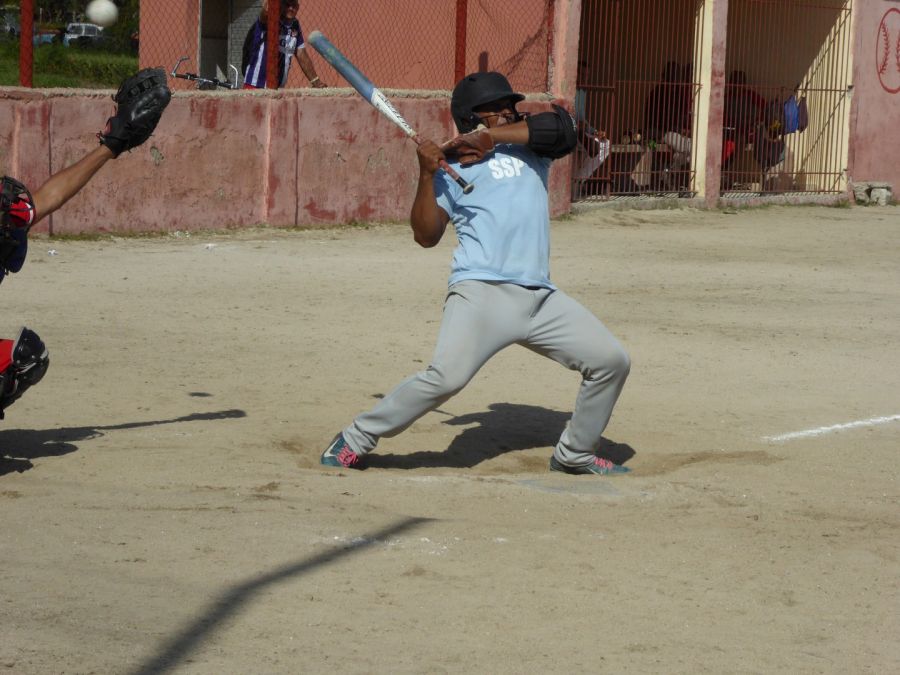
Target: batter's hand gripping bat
{"x": 373, "y": 95}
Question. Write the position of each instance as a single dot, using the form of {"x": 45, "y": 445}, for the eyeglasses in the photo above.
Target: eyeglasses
{"x": 510, "y": 117}
{"x": 503, "y": 107}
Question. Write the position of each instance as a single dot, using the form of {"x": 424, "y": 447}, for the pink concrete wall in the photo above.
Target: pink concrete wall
{"x": 875, "y": 110}
{"x": 221, "y": 160}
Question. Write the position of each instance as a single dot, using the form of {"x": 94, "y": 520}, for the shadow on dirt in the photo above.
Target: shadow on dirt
{"x": 191, "y": 636}
{"x": 19, "y": 446}
{"x": 503, "y": 428}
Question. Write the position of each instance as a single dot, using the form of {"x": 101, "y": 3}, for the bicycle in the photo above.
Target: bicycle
{"x": 206, "y": 83}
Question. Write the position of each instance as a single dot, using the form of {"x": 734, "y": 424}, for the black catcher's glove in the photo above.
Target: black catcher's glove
{"x": 140, "y": 102}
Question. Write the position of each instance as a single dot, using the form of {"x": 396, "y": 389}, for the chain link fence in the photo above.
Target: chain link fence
{"x": 400, "y": 44}
{"x": 51, "y": 43}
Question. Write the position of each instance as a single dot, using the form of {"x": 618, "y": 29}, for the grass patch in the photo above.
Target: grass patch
{"x": 59, "y": 66}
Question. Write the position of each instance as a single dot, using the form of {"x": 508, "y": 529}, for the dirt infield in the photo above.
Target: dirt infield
{"x": 164, "y": 510}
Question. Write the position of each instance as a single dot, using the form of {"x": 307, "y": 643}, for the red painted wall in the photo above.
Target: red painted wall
{"x": 875, "y": 110}
{"x": 220, "y": 160}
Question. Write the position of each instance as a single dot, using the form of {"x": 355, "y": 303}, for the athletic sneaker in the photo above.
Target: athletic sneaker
{"x": 600, "y": 466}
{"x": 340, "y": 455}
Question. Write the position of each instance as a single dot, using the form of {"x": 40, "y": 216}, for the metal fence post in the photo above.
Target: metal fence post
{"x": 462, "y": 15}
{"x": 26, "y": 44}
{"x": 273, "y": 29}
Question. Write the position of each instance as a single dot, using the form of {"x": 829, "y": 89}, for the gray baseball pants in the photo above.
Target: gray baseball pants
{"x": 480, "y": 319}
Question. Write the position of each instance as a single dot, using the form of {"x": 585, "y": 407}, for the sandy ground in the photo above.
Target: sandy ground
{"x": 164, "y": 510}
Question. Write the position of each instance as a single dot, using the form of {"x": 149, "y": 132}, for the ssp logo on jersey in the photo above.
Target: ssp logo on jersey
{"x": 506, "y": 167}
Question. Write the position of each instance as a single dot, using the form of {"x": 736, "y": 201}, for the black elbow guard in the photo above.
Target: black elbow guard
{"x": 551, "y": 134}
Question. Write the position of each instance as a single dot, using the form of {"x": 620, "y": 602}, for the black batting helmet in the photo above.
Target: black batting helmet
{"x": 475, "y": 90}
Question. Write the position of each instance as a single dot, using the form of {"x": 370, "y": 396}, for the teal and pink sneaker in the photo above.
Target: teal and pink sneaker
{"x": 339, "y": 454}
{"x": 600, "y": 467}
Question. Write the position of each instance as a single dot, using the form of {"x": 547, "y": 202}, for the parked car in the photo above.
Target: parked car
{"x": 46, "y": 37}
{"x": 9, "y": 25}
{"x": 82, "y": 34}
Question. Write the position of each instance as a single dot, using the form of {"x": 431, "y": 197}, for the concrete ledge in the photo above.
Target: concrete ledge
{"x": 286, "y": 158}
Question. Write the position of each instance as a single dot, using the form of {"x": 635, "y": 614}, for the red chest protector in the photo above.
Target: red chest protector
{"x": 6, "y": 350}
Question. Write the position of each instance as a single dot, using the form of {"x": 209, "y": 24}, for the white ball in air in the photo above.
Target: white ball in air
{"x": 102, "y": 12}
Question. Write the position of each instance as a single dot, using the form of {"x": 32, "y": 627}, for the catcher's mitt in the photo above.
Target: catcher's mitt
{"x": 140, "y": 102}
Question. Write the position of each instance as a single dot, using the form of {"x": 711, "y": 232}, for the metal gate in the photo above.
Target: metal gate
{"x": 788, "y": 66}
{"x": 637, "y": 87}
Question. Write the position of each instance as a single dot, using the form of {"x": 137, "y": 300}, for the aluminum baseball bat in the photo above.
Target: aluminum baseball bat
{"x": 373, "y": 95}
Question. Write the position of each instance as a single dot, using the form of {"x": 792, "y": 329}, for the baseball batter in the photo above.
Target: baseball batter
{"x": 140, "y": 103}
{"x": 500, "y": 292}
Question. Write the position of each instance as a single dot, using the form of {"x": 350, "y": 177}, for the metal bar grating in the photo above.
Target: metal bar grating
{"x": 788, "y": 67}
{"x": 788, "y": 73}
{"x": 637, "y": 88}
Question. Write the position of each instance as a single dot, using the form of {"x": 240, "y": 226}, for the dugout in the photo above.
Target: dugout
{"x": 788, "y": 74}
{"x": 638, "y": 82}
{"x": 669, "y": 81}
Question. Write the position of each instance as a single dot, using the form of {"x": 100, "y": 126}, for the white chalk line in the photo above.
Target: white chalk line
{"x": 821, "y": 431}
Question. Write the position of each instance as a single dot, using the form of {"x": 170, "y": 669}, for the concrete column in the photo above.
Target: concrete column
{"x": 563, "y": 66}
{"x": 561, "y": 81}
{"x": 711, "y": 106}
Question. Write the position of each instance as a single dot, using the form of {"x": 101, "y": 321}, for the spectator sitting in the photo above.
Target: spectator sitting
{"x": 743, "y": 107}
{"x": 593, "y": 145}
{"x": 668, "y": 105}
{"x": 744, "y": 113}
{"x": 667, "y": 119}
{"x": 774, "y": 157}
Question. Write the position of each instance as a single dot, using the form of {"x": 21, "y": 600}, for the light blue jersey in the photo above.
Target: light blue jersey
{"x": 503, "y": 225}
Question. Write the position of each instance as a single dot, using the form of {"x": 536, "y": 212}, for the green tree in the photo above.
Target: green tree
{"x": 57, "y": 13}
{"x": 119, "y": 34}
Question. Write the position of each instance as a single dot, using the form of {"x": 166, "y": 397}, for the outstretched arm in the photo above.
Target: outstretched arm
{"x": 549, "y": 134}
{"x": 64, "y": 185}
{"x": 474, "y": 146}
{"x": 515, "y": 133}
